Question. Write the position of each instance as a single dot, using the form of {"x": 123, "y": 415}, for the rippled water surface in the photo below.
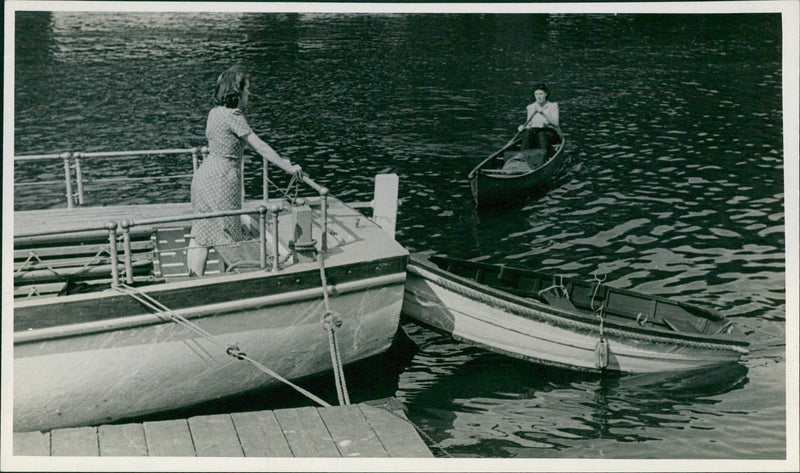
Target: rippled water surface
{"x": 673, "y": 186}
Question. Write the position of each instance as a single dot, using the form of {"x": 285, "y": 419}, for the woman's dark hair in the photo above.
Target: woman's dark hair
{"x": 229, "y": 87}
{"x": 543, "y": 88}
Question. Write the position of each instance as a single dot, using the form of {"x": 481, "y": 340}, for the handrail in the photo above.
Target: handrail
{"x": 114, "y": 228}
{"x": 67, "y": 157}
{"x": 108, "y": 154}
{"x": 73, "y": 160}
{"x": 38, "y": 157}
{"x": 181, "y": 218}
{"x": 62, "y": 231}
{"x": 112, "y": 154}
{"x": 149, "y": 221}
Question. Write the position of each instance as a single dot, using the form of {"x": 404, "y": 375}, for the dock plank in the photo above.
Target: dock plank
{"x": 32, "y": 444}
{"x": 215, "y": 436}
{"x": 79, "y": 441}
{"x": 399, "y": 438}
{"x": 306, "y": 433}
{"x": 260, "y": 434}
{"x": 169, "y": 438}
{"x": 374, "y": 429}
{"x": 351, "y": 432}
{"x": 125, "y": 440}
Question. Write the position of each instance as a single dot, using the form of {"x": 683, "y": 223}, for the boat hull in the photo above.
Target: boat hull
{"x": 96, "y": 351}
{"x": 502, "y": 191}
{"x": 537, "y": 333}
{"x": 97, "y": 376}
{"x": 491, "y": 188}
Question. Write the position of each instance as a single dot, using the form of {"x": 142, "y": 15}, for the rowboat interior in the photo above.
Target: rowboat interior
{"x": 583, "y": 299}
{"x": 512, "y": 160}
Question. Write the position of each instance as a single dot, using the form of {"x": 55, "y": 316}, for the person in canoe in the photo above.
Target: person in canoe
{"x": 216, "y": 185}
{"x": 542, "y": 116}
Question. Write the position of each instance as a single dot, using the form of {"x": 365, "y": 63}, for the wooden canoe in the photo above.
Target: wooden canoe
{"x": 89, "y": 350}
{"x": 509, "y": 175}
{"x": 556, "y": 321}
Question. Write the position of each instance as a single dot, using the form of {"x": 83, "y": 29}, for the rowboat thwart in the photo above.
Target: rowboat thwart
{"x": 511, "y": 174}
{"x": 565, "y": 322}
{"x": 109, "y": 325}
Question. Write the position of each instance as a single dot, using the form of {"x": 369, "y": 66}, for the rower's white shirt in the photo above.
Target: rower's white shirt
{"x": 549, "y": 116}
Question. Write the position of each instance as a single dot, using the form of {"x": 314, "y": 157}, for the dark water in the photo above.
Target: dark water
{"x": 674, "y": 184}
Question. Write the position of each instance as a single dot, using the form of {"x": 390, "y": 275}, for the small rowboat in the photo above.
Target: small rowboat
{"x": 511, "y": 174}
{"x": 563, "y": 322}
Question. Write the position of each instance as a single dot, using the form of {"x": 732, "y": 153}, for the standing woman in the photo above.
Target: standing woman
{"x": 542, "y": 115}
{"x": 216, "y": 184}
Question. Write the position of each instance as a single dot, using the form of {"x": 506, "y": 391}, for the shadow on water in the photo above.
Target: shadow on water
{"x": 370, "y": 379}
{"x": 491, "y": 405}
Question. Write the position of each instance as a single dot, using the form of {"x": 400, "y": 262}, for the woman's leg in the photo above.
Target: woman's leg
{"x": 196, "y": 258}
{"x": 527, "y": 138}
{"x": 542, "y": 138}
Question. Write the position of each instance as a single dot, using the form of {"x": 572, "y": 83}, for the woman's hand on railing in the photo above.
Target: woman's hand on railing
{"x": 295, "y": 168}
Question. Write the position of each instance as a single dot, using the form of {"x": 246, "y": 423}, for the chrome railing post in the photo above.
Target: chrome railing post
{"x": 241, "y": 177}
{"x": 323, "y": 195}
{"x": 275, "y": 240}
{"x": 78, "y": 176}
{"x": 126, "y": 244}
{"x": 112, "y": 243}
{"x": 68, "y": 177}
{"x": 265, "y": 178}
{"x": 195, "y": 150}
{"x": 262, "y": 239}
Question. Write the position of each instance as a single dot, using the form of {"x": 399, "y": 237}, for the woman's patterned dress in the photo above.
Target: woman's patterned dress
{"x": 217, "y": 184}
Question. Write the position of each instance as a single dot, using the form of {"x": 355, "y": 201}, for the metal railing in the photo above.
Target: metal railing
{"x": 74, "y": 164}
{"x": 125, "y": 227}
{"x": 72, "y": 161}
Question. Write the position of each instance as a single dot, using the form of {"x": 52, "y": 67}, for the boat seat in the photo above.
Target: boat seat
{"x": 61, "y": 267}
{"x": 559, "y": 302}
{"x": 170, "y": 248}
{"x": 679, "y": 325}
{"x": 525, "y": 161}
{"x": 239, "y": 256}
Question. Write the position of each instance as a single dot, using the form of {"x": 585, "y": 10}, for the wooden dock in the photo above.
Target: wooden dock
{"x": 371, "y": 430}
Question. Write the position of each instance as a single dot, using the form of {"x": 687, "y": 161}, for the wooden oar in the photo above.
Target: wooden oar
{"x": 519, "y": 131}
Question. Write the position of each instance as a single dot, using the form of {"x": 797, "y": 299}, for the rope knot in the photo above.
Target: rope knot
{"x": 235, "y": 352}
{"x": 331, "y": 320}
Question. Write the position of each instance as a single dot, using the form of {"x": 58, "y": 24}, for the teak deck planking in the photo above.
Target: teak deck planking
{"x": 368, "y": 430}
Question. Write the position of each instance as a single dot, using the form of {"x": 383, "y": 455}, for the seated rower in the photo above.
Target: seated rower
{"x": 542, "y": 116}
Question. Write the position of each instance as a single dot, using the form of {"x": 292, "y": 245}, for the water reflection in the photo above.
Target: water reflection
{"x": 482, "y": 404}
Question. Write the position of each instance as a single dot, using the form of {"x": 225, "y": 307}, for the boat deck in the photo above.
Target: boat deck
{"x": 374, "y": 429}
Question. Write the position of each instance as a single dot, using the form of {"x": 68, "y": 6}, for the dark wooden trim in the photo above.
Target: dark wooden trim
{"x": 59, "y": 312}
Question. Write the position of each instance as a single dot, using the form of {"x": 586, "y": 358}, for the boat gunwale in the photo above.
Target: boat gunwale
{"x": 207, "y": 310}
{"x": 570, "y": 317}
{"x": 480, "y": 171}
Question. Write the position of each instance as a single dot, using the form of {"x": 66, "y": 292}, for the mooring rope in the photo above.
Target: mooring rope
{"x": 34, "y": 260}
{"x": 601, "y": 348}
{"x": 293, "y": 181}
{"x": 231, "y": 350}
{"x": 331, "y": 322}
